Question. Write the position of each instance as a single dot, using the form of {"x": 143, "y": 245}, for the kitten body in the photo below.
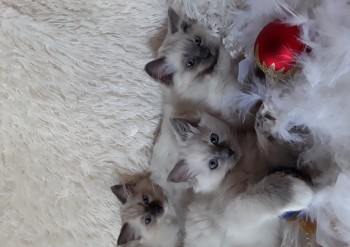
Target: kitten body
{"x": 148, "y": 217}
{"x": 165, "y": 154}
{"x": 242, "y": 205}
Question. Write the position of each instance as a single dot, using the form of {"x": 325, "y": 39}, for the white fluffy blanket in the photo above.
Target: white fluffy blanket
{"x": 77, "y": 111}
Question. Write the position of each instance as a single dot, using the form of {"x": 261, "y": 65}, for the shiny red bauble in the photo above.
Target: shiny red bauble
{"x": 276, "y": 49}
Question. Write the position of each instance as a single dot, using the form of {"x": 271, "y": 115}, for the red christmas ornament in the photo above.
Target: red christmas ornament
{"x": 276, "y": 49}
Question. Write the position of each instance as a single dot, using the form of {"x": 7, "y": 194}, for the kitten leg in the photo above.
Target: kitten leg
{"x": 266, "y": 124}
{"x": 269, "y": 126}
{"x": 256, "y": 211}
{"x": 277, "y": 194}
{"x": 268, "y": 130}
{"x": 265, "y": 201}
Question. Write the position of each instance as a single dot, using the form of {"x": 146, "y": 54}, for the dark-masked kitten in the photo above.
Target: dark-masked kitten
{"x": 147, "y": 215}
{"x": 195, "y": 66}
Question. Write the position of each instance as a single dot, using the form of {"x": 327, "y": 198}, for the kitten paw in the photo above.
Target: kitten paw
{"x": 266, "y": 122}
{"x": 287, "y": 192}
{"x": 301, "y": 194}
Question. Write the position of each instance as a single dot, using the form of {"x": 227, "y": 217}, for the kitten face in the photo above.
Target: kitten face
{"x": 189, "y": 58}
{"x": 208, "y": 152}
{"x": 145, "y": 212}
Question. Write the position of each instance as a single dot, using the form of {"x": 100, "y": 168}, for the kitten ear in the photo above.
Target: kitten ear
{"x": 175, "y": 22}
{"x": 160, "y": 70}
{"x": 181, "y": 173}
{"x": 127, "y": 234}
{"x": 184, "y": 128}
{"x": 123, "y": 192}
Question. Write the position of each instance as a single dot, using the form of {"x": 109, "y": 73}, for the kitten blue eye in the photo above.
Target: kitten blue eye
{"x": 145, "y": 199}
{"x": 190, "y": 62}
{"x": 148, "y": 219}
{"x": 197, "y": 41}
{"x": 213, "y": 164}
{"x": 214, "y": 138}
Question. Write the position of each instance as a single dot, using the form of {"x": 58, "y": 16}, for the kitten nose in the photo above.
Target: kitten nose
{"x": 230, "y": 152}
{"x": 204, "y": 53}
{"x": 155, "y": 208}
{"x": 209, "y": 54}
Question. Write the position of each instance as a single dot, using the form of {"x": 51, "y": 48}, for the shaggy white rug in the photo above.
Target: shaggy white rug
{"x": 76, "y": 111}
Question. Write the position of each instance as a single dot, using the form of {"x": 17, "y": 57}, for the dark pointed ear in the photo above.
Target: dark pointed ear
{"x": 175, "y": 22}
{"x": 123, "y": 192}
{"x": 181, "y": 173}
{"x": 161, "y": 71}
{"x": 184, "y": 128}
{"x": 127, "y": 234}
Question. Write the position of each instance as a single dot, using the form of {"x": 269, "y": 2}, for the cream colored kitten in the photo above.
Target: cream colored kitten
{"x": 238, "y": 205}
{"x": 201, "y": 162}
{"x": 147, "y": 215}
{"x": 207, "y": 149}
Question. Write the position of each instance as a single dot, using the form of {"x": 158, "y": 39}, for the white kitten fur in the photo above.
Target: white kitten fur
{"x": 165, "y": 155}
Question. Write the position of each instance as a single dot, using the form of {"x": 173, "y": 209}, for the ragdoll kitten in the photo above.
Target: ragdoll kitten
{"x": 236, "y": 204}
{"x": 206, "y": 152}
{"x": 147, "y": 215}
{"x": 208, "y": 149}
{"x": 170, "y": 145}
{"x": 195, "y": 66}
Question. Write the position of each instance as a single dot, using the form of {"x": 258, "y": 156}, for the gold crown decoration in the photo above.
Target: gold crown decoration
{"x": 271, "y": 71}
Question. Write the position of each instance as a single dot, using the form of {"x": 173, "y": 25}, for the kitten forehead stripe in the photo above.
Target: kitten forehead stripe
{"x": 210, "y": 69}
